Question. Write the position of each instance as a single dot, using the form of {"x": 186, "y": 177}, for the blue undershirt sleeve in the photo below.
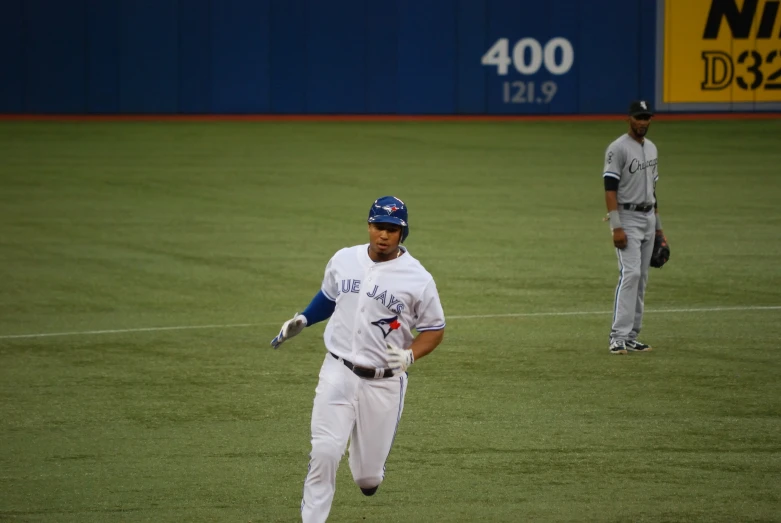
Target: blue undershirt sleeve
{"x": 319, "y": 309}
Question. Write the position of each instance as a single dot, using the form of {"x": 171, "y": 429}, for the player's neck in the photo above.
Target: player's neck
{"x": 379, "y": 257}
{"x": 635, "y": 137}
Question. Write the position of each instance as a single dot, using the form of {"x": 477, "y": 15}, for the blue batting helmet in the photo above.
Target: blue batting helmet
{"x": 390, "y": 209}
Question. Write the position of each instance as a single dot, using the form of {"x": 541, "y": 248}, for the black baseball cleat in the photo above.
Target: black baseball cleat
{"x": 637, "y": 346}
{"x": 617, "y": 347}
{"x": 369, "y": 491}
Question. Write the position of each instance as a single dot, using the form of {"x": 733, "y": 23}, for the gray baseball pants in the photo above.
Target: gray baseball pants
{"x": 633, "y": 264}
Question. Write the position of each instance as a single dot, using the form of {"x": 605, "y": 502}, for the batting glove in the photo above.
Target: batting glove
{"x": 399, "y": 359}
{"x": 290, "y": 328}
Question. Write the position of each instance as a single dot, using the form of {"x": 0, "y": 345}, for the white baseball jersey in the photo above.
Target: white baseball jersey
{"x": 377, "y": 303}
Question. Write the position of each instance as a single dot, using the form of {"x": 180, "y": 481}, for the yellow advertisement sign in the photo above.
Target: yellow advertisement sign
{"x": 721, "y": 51}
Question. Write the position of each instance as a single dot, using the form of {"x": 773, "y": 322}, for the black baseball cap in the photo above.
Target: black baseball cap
{"x": 640, "y": 107}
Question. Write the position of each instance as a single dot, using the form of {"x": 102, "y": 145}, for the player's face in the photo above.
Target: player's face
{"x": 639, "y": 124}
{"x": 384, "y": 238}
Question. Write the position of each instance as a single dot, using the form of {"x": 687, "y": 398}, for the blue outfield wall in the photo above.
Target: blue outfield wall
{"x": 326, "y": 56}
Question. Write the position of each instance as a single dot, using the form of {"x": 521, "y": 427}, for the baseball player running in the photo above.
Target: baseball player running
{"x": 630, "y": 177}
{"x": 375, "y": 295}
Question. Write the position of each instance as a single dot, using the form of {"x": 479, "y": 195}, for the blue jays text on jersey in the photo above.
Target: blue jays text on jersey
{"x": 389, "y": 300}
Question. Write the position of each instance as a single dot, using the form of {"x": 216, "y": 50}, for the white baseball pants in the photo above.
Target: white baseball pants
{"x": 365, "y": 411}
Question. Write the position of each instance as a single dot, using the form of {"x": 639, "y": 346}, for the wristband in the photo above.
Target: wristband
{"x": 615, "y": 220}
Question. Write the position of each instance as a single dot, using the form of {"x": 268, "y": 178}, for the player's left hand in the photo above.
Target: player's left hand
{"x": 290, "y": 328}
{"x": 399, "y": 359}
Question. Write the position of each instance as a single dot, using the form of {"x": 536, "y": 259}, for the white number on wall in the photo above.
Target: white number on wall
{"x": 529, "y": 56}
{"x": 497, "y": 55}
{"x": 519, "y": 56}
{"x": 567, "y": 56}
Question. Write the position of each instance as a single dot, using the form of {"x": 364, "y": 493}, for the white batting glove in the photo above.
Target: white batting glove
{"x": 290, "y": 328}
{"x": 399, "y": 359}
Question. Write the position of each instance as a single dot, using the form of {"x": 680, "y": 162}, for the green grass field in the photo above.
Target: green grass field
{"x": 144, "y": 268}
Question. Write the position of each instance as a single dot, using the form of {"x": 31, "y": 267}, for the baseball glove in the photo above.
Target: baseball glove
{"x": 661, "y": 252}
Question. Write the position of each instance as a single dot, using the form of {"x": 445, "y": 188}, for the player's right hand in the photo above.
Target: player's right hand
{"x": 619, "y": 238}
{"x": 290, "y": 328}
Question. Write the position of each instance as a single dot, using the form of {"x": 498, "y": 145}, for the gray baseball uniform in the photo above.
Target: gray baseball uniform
{"x": 635, "y": 167}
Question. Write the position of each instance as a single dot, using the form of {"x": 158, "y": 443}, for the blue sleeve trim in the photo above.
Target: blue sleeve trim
{"x": 435, "y": 328}
{"x": 319, "y": 309}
